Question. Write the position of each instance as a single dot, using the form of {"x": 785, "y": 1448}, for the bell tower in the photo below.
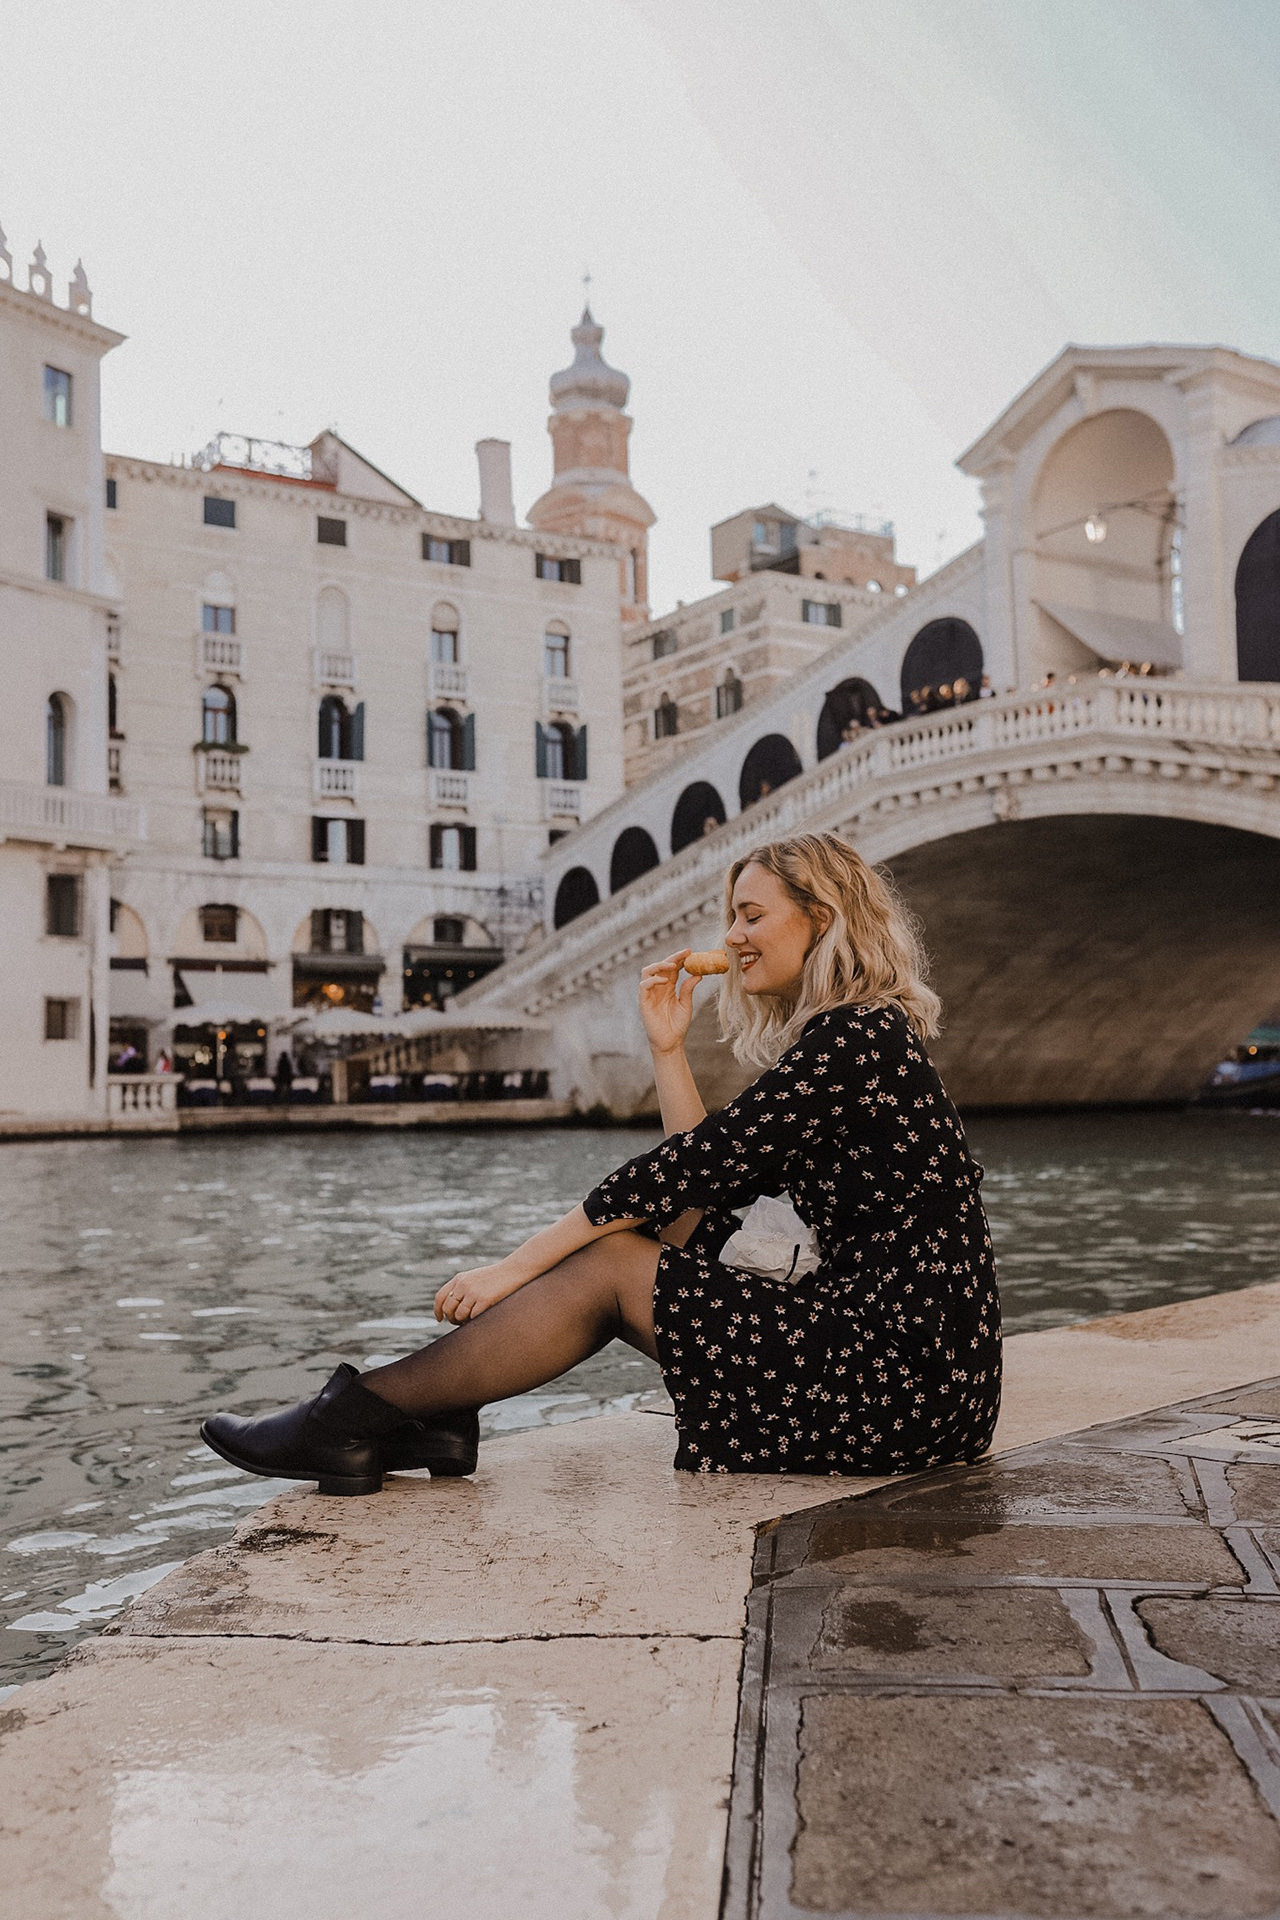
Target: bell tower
{"x": 591, "y": 492}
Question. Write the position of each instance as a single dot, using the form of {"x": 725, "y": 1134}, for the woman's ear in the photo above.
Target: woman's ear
{"x": 821, "y": 917}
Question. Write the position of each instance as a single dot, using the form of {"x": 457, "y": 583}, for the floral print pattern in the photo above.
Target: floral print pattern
{"x": 887, "y": 1358}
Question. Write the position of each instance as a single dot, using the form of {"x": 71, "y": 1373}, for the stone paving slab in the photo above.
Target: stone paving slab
{"x": 179, "y": 1780}
{"x": 1040, "y": 1686}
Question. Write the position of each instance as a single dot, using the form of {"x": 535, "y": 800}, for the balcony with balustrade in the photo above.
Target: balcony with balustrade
{"x": 561, "y": 801}
{"x": 559, "y": 696}
{"x": 219, "y": 771}
{"x": 333, "y": 667}
{"x": 61, "y": 817}
{"x": 448, "y": 680}
{"x": 220, "y": 653}
{"x": 336, "y": 779}
{"x": 450, "y": 789}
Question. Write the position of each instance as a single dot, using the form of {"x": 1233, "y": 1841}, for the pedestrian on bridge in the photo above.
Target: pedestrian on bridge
{"x": 884, "y": 1358}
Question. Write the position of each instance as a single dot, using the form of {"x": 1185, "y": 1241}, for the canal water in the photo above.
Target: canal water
{"x": 145, "y": 1282}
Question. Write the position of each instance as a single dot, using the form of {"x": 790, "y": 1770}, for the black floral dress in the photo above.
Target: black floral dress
{"x": 887, "y": 1358}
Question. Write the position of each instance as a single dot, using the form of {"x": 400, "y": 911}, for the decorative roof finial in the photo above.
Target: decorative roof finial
{"x": 79, "y": 298}
{"x": 39, "y": 278}
{"x": 6, "y": 259}
{"x": 589, "y": 382}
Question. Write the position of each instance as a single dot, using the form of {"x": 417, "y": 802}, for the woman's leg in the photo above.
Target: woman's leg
{"x": 603, "y": 1292}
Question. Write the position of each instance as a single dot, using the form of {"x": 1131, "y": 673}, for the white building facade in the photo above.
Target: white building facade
{"x": 355, "y": 725}
{"x": 59, "y": 827}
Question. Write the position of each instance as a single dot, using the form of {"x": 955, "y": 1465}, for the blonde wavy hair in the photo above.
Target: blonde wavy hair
{"x": 866, "y": 949}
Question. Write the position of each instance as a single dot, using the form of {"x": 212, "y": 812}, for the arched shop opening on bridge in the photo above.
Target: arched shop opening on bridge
{"x": 445, "y": 953}
{"x": 577, "y": 893}
{"x": 1105, "y": 554}
{"x": 942, "y": 653}
{"x": 698, "y": 811}
{"x": 846, "y": 708}
{"x": 1258, "y": 603}
{"x": 634, "y": 853}
{"x": 769, "y": 765}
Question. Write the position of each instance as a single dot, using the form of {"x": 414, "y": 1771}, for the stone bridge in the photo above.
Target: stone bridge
{"x": 1097, "y": 871}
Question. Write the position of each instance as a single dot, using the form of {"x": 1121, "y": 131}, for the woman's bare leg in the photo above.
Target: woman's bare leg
{"x": 601, "y": 1293}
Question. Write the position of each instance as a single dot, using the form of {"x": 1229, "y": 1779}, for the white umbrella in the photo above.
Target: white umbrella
{"x": 220, "y": 1013}
{"x": 343, "y": 1023}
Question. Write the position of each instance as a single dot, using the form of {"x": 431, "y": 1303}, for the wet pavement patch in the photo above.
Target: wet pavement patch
{"x": 1047, "y": 1684}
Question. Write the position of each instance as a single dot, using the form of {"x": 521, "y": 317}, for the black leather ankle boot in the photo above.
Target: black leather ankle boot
{"x": 448, "y": 1443}
{"x": 336, "y": 1438}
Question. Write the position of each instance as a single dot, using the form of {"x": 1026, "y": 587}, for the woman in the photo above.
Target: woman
{"x": 884, "y": 1360}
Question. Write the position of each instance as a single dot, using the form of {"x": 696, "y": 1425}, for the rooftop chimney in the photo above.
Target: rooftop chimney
{"x": 495, "y": 482}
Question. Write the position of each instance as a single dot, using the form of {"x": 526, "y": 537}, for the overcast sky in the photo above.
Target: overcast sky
{"x": 829, "y": 239}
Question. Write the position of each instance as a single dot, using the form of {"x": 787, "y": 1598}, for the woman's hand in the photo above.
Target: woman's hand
{"x": 666, "y": 1003}
{"x": 468, "y": 1294}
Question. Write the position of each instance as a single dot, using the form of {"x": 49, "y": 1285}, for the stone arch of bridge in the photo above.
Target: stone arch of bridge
{"x": 634, "y": 853}
{"x": 698, "y": 811}
{"x": 1257, "y": 587}
{"x": 771, "y": 762}
{"x": 577, "y": 893}
{"x": 944, "y": 652}
{"x": 844, "y": 706}
{"x": 1078, "y": 991}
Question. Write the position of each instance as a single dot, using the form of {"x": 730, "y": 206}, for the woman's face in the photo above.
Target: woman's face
{"x": 769, "y": 934}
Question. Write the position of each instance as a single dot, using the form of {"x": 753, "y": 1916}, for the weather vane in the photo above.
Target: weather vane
{"x": 586, "y": 286}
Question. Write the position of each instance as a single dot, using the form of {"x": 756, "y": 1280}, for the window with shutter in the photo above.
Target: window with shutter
{"x": 319, "y": 837}
{"x": 356, "y": 743}
{"x": 353, "y": 930}
{"x": 467, "y": 837}
{"x": 355, "y": 842}
{"x": 540, "y": 749}
{"x": 331, "y": 533}
{"x": 580, "y": 754}
{"x": 469, "y": 744}
{"x": 319, "y": 926}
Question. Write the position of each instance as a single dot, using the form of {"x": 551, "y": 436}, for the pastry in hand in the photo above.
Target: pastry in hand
{"x": 701, "y": 964}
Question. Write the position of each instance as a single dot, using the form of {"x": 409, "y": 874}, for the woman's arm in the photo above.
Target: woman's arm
{"x": 468, "y": 1294}
{"x": 666, "y": 1007}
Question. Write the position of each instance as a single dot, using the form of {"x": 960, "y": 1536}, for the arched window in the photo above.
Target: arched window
{"x": 848, "y": 708}
{"x": 666, "y": 719}
{"x": 218, "y": 717}
{"x": 1258, "y": 603}
{"x": 555, "y": 653}
{"x": 577, "y": 893}
{"x": 56, "y": 729}
{"x": 728, "y": 695}
{"x": 769, "y": 765}
{"x": 445, "y": 648}
{"x": 451, "y": 740}
{"x": 941, "y": 653}
{"x": 561, "y": 752}
{"x": 698, "y": 811}
{"x": 634, "y": 853}
{"x": 341, "y": 729}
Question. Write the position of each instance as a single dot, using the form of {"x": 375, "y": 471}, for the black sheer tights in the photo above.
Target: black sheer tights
{"x": 601, "y": 1293}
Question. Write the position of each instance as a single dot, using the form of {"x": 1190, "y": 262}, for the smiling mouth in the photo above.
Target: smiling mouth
{"x": 746, "y": 960}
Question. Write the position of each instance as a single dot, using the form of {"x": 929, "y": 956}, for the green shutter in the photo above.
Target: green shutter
{"x": 580, "y": 754}
{"x": 469, "y": 744}
{"x": 357, "y": 733}
{"x": 540, "y": 749}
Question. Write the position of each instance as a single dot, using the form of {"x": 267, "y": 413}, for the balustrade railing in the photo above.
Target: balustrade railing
{"x": 219, "y": 772}
{"x": 336, "y": 779}
{"x": 130, "y": 1093}
{"x": 333, "y": 667}
{"x": 220, "y": 653}
{"x": 448, "y": 680}
{"x": 449, "y": 789}
{"x": 67, "y": 818}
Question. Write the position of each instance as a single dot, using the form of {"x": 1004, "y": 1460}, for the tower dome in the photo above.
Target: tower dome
{"x": 589, "y": 382}
{"x": 591, "y": 495}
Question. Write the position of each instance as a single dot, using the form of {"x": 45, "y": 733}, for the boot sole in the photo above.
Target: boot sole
{"x": 336, "y": 1486}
